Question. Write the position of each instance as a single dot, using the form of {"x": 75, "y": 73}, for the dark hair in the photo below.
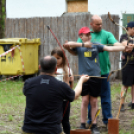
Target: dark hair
{"x": 48, "y": 65}
{"x": 60, "y": 53}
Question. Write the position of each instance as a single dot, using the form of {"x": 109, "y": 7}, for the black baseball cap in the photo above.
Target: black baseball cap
{"x": 130, "y": 24}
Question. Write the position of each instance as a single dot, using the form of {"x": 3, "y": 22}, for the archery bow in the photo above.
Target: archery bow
{"x": 129, "y": 38}
{"x": 59, "y": 45}
{"x": 118, "y": 69}
{"x": 109, "y": 16}
{"x": 66, "y": 60}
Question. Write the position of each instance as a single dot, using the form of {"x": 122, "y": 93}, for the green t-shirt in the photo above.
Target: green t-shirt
{"x": 103, "y": 37}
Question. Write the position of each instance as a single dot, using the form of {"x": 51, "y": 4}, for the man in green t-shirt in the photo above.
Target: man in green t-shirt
{"x": 104, "y": 37}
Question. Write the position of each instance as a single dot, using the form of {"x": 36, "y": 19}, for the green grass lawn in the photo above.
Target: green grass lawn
{"x": 12, "y": 105}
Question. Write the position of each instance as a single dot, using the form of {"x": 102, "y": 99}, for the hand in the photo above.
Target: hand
{"x": 87, "y": 44}
{"x": 129, "y": 48}
{"x": 71, "y": 78}
{"x": 67, "y": 44}
{"x": 122, "y": 57}
{"x": 84, "y": 78}
{"x": 132, "y": 45}
{"x": 66, "y": 47}
{"x": 124, "y": 43}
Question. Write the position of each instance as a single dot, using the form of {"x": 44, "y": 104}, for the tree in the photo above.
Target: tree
{"x": 2, "y": 17}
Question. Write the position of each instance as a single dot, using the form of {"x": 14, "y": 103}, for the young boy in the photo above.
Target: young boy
{"x": 88, "y": 62}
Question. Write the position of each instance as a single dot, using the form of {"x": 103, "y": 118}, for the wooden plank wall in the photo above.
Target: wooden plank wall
{"x": 114, "y": 56}
{"x": 65, "y": 28}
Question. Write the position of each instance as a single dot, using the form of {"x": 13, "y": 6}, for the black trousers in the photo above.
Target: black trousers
{"x": 66, "y": 114}
{"x": 28, "y": 133}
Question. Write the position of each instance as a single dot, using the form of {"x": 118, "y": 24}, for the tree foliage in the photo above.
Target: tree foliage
{"x": 2, "y": 17}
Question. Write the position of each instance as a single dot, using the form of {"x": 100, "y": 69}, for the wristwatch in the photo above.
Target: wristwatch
{"x": 82, "y": 44}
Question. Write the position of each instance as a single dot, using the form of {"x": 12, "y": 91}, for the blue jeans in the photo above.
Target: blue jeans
{"x": 105, "y": 101}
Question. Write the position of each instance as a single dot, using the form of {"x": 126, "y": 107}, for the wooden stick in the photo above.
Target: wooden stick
{"x": 97, "y": 113}
{"x": 94, "y": 77}
{"x": 123, "y": 95}
{"x": 81, "y": 75}
{"x": 121, "y": 102}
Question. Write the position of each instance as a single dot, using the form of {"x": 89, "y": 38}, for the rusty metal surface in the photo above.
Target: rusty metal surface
{"x": 80, "y": 131}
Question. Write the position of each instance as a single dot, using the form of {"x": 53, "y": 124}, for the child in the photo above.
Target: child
{"x": 63, "y": 75}
{"x": 128, "y": 70}
{"x": 88, "y": 58}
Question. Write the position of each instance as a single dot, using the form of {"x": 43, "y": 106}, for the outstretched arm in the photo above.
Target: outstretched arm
{"x": 72, "y": 44}
{"x": 114, "y": 48}
{"x": 70, "y": 50}
{"x": 120, "y": 44}
{"x": 118, "y": 48}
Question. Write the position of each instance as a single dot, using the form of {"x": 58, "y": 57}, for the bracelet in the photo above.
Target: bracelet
{"x": 82, "y": 44}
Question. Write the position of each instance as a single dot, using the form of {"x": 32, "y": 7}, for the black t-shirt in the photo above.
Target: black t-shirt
{"x": 124, "y": 54}
{"x": 44, "y": 99}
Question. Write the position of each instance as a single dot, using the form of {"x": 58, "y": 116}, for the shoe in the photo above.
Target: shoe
{"x": 132, "y": 106}
{"x": 95, "y": 130}
{"x": 122, "y": 108}
{"x": 82, "y": 127}
{"x": 129, "y": 104}
{"x": 106, "y": 126}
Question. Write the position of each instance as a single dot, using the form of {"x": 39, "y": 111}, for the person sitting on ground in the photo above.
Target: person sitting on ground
{"x": 44, "y": 99}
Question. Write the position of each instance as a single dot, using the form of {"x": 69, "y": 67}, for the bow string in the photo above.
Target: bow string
{"x": 129, "y": 38}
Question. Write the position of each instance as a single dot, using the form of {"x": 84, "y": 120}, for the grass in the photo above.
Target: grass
{"x": 126, "y": 124}
{"x": 12, "y": 105}
{"x": 10, "y": 118}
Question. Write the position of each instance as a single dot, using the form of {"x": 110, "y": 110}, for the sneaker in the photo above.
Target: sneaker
{"x": 82, "y": 127}
{"x": 95, "y": 130}
{"x": 122, "y": 108}
{"x": 130, "y": 104}
{"x": 106, "y": 126}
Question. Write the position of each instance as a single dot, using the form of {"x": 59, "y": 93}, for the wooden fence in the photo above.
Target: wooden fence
{"x": 65, "y": 28}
